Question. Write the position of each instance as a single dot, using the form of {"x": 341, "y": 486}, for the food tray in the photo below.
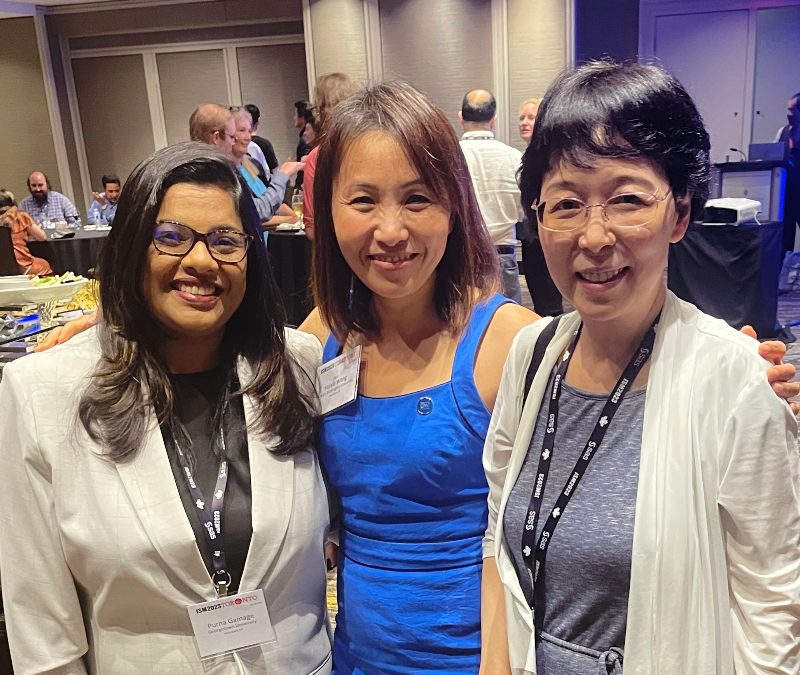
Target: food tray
{"x": 38, "y": 294}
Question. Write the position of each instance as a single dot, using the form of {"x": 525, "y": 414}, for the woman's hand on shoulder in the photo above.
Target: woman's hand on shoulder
{"x": 508, "y": 320}
{"x": 779, "y": 374}
{"x": 68, "y": 331}
{"x": 315, "y": 325}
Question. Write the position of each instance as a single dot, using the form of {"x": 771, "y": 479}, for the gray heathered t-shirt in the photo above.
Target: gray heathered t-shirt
{"x": 582, "y": 595}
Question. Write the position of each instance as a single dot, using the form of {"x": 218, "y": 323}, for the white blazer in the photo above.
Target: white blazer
{"x": 99, "y": 560}
{"x": 715, "y": 575}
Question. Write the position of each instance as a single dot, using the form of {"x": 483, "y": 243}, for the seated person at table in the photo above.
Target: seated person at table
{"x": 45, "y": 203}
{"x": 22, "y": 227}
{"x": 104, "y": 206}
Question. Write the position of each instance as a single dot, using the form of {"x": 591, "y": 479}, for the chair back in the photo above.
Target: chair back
{"x": 8, "y": 261}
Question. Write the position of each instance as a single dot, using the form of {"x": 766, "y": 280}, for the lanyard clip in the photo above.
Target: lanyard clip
{"x": 222, "y": 580}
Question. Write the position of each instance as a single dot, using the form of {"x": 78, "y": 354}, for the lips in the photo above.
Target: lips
{"x": 196, "y": 292}
{"x": 601, "y": 276}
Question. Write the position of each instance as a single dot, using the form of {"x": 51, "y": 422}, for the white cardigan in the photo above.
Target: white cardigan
{"x": 99, "y": 560}
{"x": 715, "y": 575}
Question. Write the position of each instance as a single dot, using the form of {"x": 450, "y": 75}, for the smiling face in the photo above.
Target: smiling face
{"x": 194, "y": 295}
{"x": 243, "y": 134}
{"x": 527, "y": 117}
{"x": 610, "y": 272}
{"x": 389, "y": 228}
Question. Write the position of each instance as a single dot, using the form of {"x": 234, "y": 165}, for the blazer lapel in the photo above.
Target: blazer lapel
{"x": 272, "y": 486}
{"x": 150, "y": 485}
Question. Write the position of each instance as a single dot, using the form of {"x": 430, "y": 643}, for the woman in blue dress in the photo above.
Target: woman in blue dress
{"x": 405, "y": 269}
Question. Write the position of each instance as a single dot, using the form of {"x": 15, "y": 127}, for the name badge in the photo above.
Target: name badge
{"x": 337, "y": 381}
{"x": 230, "y": 623}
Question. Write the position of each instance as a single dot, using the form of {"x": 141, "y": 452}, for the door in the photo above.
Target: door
{"x": 707, "y": 52}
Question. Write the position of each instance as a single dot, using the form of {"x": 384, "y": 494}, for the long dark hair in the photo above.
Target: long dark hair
{"x": 132, "y": 375}
{"x": 604, "y": 109}
{"x": 468, "y": 271}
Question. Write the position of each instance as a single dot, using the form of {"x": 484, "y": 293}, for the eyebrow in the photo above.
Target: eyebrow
{"x": 619, "y": 180}
{"x": 213, "y": 228}
{"x": 361, "y": 185}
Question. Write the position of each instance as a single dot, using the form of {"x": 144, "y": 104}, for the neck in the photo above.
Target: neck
{"x": 193, "y": 355}
{"x": 606, "y": 347}
{"x": 238, "y": 160}
{"x": 411, "y": 318}
{"x": 477, "y": 126}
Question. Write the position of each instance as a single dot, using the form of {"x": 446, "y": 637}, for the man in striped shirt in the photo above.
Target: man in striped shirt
{"x": 46, "y": 204}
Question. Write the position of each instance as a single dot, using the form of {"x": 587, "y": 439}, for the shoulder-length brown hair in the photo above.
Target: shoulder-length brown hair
{"x": 468, "y": 271}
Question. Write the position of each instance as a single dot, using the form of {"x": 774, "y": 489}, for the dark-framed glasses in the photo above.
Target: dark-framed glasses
{"x": 628, "y": 209}
{"x": 224, "y": 244}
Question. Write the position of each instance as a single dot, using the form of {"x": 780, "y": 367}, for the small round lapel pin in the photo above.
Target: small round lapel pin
{"x": 425, "y": 405}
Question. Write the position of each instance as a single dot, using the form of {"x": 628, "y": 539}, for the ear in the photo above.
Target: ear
{"x": 683, "y": 212}
{"x": 492, "y": 122}
{"x": 460, "y": 117}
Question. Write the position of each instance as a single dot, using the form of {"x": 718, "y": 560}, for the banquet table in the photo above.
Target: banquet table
{"x": 76, "y": 254}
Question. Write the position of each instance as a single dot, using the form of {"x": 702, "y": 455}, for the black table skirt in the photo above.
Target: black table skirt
{"x": 78, "y": 254}
{"x": 731, "y": 273}
{"x": 290, "y": 253}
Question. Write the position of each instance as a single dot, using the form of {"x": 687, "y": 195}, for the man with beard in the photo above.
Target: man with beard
{"x": 46, "y": 204}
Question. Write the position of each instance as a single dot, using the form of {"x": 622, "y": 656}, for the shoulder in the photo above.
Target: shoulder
{"x": 305, "y": 347}
{"x": 53, "y": 375}
{"x": 315, "y": 325}
{"x": 510, "y": 319}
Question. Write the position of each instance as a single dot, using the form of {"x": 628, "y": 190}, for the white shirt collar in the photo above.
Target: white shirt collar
{"x": 480, "y": 135}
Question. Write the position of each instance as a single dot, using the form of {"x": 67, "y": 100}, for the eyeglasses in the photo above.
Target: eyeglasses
{"x": 631, "y": 209}
{"x": 224, "y": 134}
{"x": 225, "y": 245}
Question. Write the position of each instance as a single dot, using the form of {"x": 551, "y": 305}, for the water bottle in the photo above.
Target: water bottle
{"x": 95, "y": 216}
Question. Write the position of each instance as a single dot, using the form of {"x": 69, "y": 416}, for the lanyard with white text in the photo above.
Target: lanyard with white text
{"x": 211, "y": 521}
{"x": 534, "y": 551}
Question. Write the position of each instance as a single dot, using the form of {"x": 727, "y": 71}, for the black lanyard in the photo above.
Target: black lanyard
{"x": 534, "y": 551}
{"x": 211, "y": 521}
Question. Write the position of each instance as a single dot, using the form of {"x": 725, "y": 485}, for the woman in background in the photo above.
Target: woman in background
{"x": 22, "y": 228}
{"x": 329, "y": 91}
{"x": 546, "y": 297}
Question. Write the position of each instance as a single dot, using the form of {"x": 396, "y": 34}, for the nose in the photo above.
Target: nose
{"x": 596, "y": 233}
{"x": 391, "y": 229}
{"x": 199, "y": 259}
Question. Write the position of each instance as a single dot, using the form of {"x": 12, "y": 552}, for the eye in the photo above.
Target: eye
{"x": 566, "y": 206}
{"x": 631, "y": 200}
{"x": 418, "y": 200}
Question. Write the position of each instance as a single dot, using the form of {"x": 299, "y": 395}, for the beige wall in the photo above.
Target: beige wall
{"x": 339, "y": 40}
{"x": 27, "y": 143}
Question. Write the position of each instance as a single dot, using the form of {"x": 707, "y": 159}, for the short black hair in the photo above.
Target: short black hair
{"x": 255, "y": 113}
{"x": 482, "y": 113}
{"x": 302, "y": 107}
{"x": 607, "y": 110}
{"x": 796, "y": 96}
{"x": 111, "y": 178}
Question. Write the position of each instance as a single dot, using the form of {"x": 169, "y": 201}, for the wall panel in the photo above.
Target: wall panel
{"x": 273, "y": 78}
{"x": 338, "y": 38}
{"x": 443, "y": 47}
{"x": 27, "y": 144}
{"x": 182, "y": 91}
{"x": 115, "y": 117}
{"x": 537, "y": 52}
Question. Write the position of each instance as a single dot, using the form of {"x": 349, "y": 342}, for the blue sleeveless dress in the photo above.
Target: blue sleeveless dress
{"x": 408, "y": 473}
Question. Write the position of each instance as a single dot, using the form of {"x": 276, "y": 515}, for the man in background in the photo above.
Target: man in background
{"x": 46, "y": 204}
{"x": 303, "y": 117}
{"x": 260, "y": 149}
{"x": 211, "y": 123}
{"x": 104, "y": 206}
{"x": 493, "y": 167}
{"x": 789, "y": 135}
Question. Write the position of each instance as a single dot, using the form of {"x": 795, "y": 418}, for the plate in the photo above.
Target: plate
{"x": 17, "y": 281}
{"x": 37, "y": 294}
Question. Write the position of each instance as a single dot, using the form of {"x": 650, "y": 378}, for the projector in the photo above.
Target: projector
{"x": 730, "y": 211}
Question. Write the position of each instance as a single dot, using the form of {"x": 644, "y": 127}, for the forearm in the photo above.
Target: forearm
{"x": 269, "y": 202}
{"x": 494, "y": 632}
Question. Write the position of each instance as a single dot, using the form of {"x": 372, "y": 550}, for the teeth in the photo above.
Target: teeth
{"x": 196, "y": 290}
{"x": 392, "y": 258}
{"x": 600, "y": 277}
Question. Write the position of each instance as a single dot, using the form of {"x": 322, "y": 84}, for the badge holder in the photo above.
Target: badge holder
{"x": 231, "y": 623}
{"x": 337, "y": 381}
